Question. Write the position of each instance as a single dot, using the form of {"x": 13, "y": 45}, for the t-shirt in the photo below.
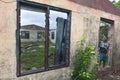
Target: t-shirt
{"x": 103, "y": 47}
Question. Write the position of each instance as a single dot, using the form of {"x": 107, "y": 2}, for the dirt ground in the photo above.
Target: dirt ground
{"x": 109, "y": 73}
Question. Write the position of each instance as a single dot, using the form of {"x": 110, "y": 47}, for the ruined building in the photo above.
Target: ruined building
{"x": 64, "y": 21}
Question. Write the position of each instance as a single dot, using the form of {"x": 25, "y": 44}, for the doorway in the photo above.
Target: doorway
{"x": 106, "y": 29}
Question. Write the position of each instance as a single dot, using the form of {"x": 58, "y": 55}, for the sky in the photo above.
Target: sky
{"x": 115, "y": 0}
{"x": 31, "y": 17}
{"x": 38, "y": 18}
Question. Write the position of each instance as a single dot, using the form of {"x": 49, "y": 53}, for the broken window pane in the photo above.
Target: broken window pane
{"x": 32, "y": 38}
{"x": 57, "y": 38}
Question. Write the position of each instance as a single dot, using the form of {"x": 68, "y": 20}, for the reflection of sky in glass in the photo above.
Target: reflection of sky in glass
{"x": 38, "y": 18}
{"x": 32, "y": 17}
{"x": 53, "y": 17}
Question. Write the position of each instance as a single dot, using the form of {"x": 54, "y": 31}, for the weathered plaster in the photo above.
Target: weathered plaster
{"x": 84, "y": 20}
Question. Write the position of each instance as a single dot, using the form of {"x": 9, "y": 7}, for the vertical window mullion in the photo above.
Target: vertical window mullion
{"x": 47, "y": 38}
{"x": 18, "y": 40}
{"x": 69, "y": 32}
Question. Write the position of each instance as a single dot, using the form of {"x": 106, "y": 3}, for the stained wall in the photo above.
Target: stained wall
{"x": 84, "y": 20}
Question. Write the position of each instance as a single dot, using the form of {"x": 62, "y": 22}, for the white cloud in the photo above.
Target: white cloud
{"x": 53, "y": 17}
{"x": 31, "y": 17}
{"x": 38, "y": 18}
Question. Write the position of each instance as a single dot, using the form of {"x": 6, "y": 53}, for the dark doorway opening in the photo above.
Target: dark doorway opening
{"x": 106, "y": 29}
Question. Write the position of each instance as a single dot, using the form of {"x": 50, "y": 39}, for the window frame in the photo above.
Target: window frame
{"x": 18, "y": 41}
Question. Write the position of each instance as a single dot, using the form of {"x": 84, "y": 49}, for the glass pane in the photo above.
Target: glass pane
{"x": 32, "y": 39}
{"x": 54, "y": 30}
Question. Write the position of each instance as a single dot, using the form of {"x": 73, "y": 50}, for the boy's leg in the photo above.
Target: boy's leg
{"x": 104, "y": 60}
{"x": 104, "y": 63}
{"x": 99, "y": 68}
{"x": 100, "y": 63}
{"x": 100, "y": 59}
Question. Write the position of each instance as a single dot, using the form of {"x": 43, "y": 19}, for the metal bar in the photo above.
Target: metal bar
{"x": 69, "y": 25}
{"x": 18, "y": 53}
{"x": 47, "y": 38}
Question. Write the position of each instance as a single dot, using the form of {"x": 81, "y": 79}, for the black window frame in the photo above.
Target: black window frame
{"x": 18, "y": 53}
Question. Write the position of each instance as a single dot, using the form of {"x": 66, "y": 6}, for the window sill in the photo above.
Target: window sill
{"x": 41, "y": 70}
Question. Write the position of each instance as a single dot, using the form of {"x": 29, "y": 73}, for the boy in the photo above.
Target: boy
{"x": 103, "y": 50}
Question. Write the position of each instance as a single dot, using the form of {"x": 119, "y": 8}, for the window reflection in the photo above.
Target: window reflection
{"x": 32, "y": 39}
{"x": 40, "y": 47}
{"x": 56, "y": 32}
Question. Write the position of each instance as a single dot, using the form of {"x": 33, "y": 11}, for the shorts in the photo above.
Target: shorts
{"x": 103, "y": 57}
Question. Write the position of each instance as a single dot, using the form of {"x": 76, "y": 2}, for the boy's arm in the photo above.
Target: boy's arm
{"x": 99, "y": 46}
{"x": 108, "y": 48}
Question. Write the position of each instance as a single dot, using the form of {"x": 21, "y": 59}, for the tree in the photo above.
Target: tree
{"x": 117, "y": 4}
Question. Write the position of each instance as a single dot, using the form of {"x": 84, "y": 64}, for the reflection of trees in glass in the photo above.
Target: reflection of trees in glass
{"x": 25, "y": 34}
{"x": 104, "y": 30}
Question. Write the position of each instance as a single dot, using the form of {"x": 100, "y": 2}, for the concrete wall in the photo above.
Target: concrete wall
{"x": 84, "y": 20}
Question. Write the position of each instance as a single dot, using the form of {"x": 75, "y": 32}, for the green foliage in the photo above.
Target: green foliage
{"x": 83, "y": 60}
{"x": 117, "y": 4}
{"x": 104, "y": 30}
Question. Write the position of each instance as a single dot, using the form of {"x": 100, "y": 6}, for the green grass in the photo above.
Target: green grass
{"x": 33, "y": 59}
{"x": 35, "y": 43}
{"x": 33, "y": 56}
{"x": 51, "y": 56}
